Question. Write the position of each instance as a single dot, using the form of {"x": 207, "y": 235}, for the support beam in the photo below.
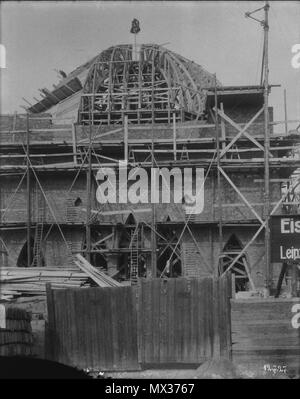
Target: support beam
{"x": 285, "y": 114}
{"x": 95, "y": 244}
{"x": 153, "y": 221}
{"x": 88, "y": 196}
{"x": 174, "y": 136}
{"x": 28, "y": 194}
{"x": 244, "y": 249}
{"x": 126, "y": 138}
{"x": 241, "y": 195}
{"x": 218, "y": 177}
{"x": 268, "y": 272}
{"x": 241, "y": 131}
{"x": 74, "y": 144}
{"x": 223, "y": 130}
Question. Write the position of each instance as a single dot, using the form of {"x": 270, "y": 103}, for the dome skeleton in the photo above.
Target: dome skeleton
{"x": 161, "y": 81}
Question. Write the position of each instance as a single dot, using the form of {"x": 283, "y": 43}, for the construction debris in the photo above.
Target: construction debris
{"x": 31, "y": 281}
{"x": 97, "y": 276}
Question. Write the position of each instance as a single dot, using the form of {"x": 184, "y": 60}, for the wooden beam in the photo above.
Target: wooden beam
{"x": 223, "y": 130}
{"x": 245, "y": 248}
{"x": 240, "y": 131}
{"x": 102, "y": 240}
{"x": 28, "y": 194}
{"x": 241, "y": 195}
{"x": 74, "y": 144}
{"x": 99, "y": 136}
{"x": 126, "y": 138}
{"x": 174, "y": 137}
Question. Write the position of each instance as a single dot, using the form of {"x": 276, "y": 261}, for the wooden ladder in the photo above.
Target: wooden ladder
{"x": 184, "y": 154}
{"x": 38, "y": 229}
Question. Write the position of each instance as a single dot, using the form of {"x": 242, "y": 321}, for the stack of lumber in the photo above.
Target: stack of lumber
{"x": 100, "y": 278}
{"x": 16, "y": 337}
{"x": 15, "y": 282}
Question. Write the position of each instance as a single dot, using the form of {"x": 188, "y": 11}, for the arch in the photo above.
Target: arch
{"x": 78, "y": 201}
{"x": 130, "y": 219}
{"x": 231, "y": 249}
{"x": 168, "y": 260}
{"x": 22, "y": 260}
{"x": 97, "y": 259}
{"x": 3, "y": 253}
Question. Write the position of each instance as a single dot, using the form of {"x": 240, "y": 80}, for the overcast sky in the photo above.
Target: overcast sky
{"x": 43, "y": 36}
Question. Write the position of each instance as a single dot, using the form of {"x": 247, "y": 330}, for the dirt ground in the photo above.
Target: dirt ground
{"x": 212, "y": 369}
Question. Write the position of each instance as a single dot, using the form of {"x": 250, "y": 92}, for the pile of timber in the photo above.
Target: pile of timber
{"x": 99, "y": 277}
{"x": 16, "y": 338}
{"x": 16, "y": 281}
{"x": 31, "y": 281}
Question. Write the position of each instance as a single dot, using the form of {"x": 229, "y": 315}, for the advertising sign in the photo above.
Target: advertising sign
{"x": 285, "y": 238}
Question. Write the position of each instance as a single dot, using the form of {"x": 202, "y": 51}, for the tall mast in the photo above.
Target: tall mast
{"x": 28, "y": 185}
{"x": 89, "y": 191}
{"x": 265, "y": 82}
{"x": 267, "y": 148}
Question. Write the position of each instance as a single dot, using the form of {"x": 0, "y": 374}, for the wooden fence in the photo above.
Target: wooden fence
{"x": 173, "y": 321}
{"x": 183, "y": 321}
{"x": 92, "y": 328}
{"x": 266, "y": 334}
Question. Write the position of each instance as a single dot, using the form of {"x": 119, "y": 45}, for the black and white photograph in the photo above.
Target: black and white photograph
{"x": 150, "y": 193}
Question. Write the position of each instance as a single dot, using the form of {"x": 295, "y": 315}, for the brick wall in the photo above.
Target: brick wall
{"x": 207, "y": 239}
{"x": 14, "y": 240}
{"x": 54, "y": 249}
{"x": 63, "y": 203}
{"x": 56, "y": 188}
{"x": 49, "y": 132}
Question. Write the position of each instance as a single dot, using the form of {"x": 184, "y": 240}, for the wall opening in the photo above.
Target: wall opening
{"x": 98, "y": 259}
{"x": 231, "y": 249}
{"x": 3, "y": 254}
{"x": 168, "y": 260}
{"x": 22, "y": 258}
{"x": 78, "y": 202}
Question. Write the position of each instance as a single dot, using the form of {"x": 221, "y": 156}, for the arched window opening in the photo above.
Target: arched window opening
{"x": 233, "y": 248}
{"x": 3, "y": 254}
{"x": 36, "y": 255}
{"x": 169, "y": 255}
{"x": 78, "y": 202}
{"x": 98, "y": 259}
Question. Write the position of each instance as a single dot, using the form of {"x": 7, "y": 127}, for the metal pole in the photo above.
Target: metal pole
{"x": 126, "y": 138}
{"x": 266, "y": 152}
{"x": 285, "y": 114}
{"x": 174, "y": 136}
{"x": 28, "y": 193}
{"x": 153, "y": 227}
{"x": 88, "y": 194}
{"x": 218, "y": 173}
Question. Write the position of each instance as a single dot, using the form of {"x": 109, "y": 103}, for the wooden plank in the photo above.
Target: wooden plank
{"x": 50, "y": 350}
{"x": 262, "y": 332}
{"x": 155, "y": 303}
{"x": 171, "y": 319}
{"x": 216, "y": 308}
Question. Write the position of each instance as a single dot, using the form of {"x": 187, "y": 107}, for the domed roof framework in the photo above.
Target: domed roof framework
{"x": 148, "y": 85}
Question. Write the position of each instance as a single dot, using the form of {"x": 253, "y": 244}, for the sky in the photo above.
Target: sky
{"x": 40, "y": 37}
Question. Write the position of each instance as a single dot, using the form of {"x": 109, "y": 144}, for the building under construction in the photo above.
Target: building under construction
{"x": 141, "y": 174}
{"x": 151, "y": 108}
